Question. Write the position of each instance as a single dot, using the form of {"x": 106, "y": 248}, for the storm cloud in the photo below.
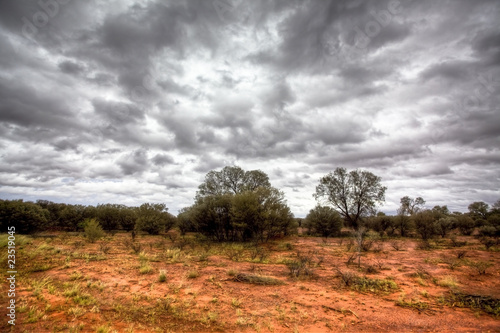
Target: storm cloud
{"x": 135, "y": 101}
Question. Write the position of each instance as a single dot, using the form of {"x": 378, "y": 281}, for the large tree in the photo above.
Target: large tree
{"x": 478, "y": 210}
{"x": 237, "y": 205}
{"x": 353, "y": 194}
{"x": 410, "y": 206}
{"x": 232, "y": 180}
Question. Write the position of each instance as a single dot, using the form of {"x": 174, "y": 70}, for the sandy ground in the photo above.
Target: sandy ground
{"x": 200, "y": 295}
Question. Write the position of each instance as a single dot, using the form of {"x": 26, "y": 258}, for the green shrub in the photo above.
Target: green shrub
{"x": 93, "y": 230}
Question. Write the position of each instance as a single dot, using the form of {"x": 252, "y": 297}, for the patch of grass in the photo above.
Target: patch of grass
{"x": 175, "y": 254}
{"x": 163, "y": 276}
{"x": 447, "y": 281}
{"x": 34, "y": 314}
{"x": 257, "y": 279}
{"x": 73, "y": 291}
{"x": 285, "y": 246}
{"x": 479, "y": 266}
{"x": 19, "y": 241}
{"x": 486, "y": 304}
{"x": 104, "y": 247}
{"x": 413, "y": 303}
{"x": 39, "y": 268}
{"x": 232, "y": 272}
{"x": 145, "y": 268}
{"x": 235, "y": 303}
{"x": 84, "y": 299}
{"x": 103, "y": 329}
{"x": 234, "y": 252}
{"x": 75, "y": 276}
{"x": 364, "y": 284}
{"x": 193, "y": 274}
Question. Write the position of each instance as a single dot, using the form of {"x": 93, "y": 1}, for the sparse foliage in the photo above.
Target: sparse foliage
{"x": 354, "y": 195}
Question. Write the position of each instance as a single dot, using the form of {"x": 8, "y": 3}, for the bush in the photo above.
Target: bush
{"x": 302, "y": 267}
{"x": 93, "y": 230}
{"x": 425, "y": 224}
{"x": 323, "y": 221}
{"x": 465, "y": 225}
{"x": 154, "y": 218}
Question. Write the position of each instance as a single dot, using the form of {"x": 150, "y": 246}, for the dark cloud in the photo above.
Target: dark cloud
{"x": 70, "y": 67}
{"x": 162, "y": 159}
{"x": 134, "y": 162}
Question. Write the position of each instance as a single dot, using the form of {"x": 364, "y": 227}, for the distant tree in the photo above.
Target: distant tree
{"x": 126, "y": 217}
{"x": 154, "y": 218}
{"x": 324, "y": 221}
{"x": 465, "y": 224}
{"x": 495, "y": 208}
{"x": 71, "y": 217}
{"x": 108, "y": 216}
{"x": 425, "y": 224}
{"x": 440, "y": 211}
{"x": 410, "y": 206}
{"x": 478, "y": 210}
{"x": 404, "y": 224}
{"x": 26, "y": 217}
{"x": 354, "y": 195}
{"x": 444, "y": 225}
{"x": 383, "y": 224}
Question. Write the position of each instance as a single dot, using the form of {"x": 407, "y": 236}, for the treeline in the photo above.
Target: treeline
{"x": 237, "y": 205}
{"x": 43, "y": 215}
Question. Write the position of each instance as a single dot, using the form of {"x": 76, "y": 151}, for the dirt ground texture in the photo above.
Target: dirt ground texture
{"x": 175, "y": 284}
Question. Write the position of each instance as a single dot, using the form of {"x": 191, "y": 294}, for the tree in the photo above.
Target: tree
{"x": 410, "y": 206}
{"x": 383, "y": 224}
{"x": 108, "y": 216}
{"x": 425, "y": 224}
{"x": 478, "y": 210}
{"x": 93, "y": 230}
{"x": 324, "y": 221}
{"x": 354, "y": 195}
{"x": 211, "y": 215}
{"x": 465, "y": 224}
{"x": 237, "y": 205}
{"x": 185, "y": 221}
{"x": 154, "y": 218}
{"x": 445, "y": 225}
{"x": 26, "y": 217}
{"x": 495, "y": 208}
{"x": 232, "y": 180}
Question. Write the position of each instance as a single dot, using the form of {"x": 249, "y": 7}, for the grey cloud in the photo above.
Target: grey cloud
{"x": 70, "y": 67}
{"x": 134, "y": 162}
{"x": 162, "y": 159}
{"x": 118, "y": 113}
{"x": 159, "y": 93}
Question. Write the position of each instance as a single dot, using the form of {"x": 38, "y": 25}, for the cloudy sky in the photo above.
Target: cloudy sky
{"x": 135, "y": 101}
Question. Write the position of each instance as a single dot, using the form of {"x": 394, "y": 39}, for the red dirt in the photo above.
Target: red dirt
{"x": 124, "y": 299}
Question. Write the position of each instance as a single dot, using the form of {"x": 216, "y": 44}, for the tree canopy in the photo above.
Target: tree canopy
{"x": 353, "y": 194}
{"x": 232, "y": 180}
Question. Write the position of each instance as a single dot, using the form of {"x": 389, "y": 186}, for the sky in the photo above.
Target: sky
{"x": 135, "y": 101}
